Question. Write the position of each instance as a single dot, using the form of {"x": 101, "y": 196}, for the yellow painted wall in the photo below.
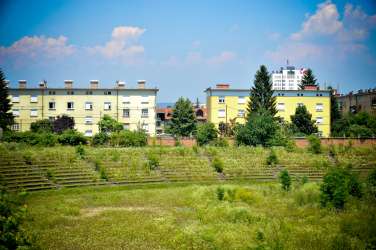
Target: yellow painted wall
{"x": 232, "y": 105}
{"x": 79, "y": 113}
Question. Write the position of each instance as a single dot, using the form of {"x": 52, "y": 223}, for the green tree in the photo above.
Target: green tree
{"x": 6, "y": 118}
{"x": 302, "y": 121}
{"x": 285, "y": 179}
{"x": 308, "y": 79}
{"x": 334, "y": 111}
{"x": 63, "y": 123}
{"x": 261, "y": 95}
{"x": 108, "y": 125}
{"x": 260, "y": 129}
{"x": 360, "y": 124}
{"x": 206, "y": 132}
{"x": 42, "y": 126}
{"x": 183, "y": 121}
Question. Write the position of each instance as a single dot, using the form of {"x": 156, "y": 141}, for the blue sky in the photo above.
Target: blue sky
{"x": 183, "y": 47}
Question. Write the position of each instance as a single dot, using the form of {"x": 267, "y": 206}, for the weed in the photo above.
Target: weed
{"x": 217, "y": 164}
{"x": 272, "y": 158}
{"x": 314, "y": 144}
{"x": 285, "y": 179}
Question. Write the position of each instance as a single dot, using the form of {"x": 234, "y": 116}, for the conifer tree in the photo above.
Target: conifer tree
{"x": 183, "y": 121}
{"x": 6, "y": 118}
{"x": 308, "y": 79}
{"x": 261, "y": 95}
{"x": 334, "y": 110}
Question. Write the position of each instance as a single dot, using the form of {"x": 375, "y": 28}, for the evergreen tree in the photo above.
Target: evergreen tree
{"x": 261, "y": 95}
{"x": 183, "y": 121}
{"x": 302, "y": 121}
{"x": 334, "y": 111}
{"x": 308, "y": 79}
{"x": 6, "y": 118}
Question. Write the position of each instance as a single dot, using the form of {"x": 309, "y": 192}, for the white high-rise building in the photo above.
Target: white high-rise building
{"x": 287, "y": 78}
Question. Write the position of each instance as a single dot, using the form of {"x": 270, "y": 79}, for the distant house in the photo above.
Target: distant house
{"x": 363, "y": 100}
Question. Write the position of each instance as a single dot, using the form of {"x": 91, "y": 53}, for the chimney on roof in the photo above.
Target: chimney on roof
{"x": 311, "y": 87}
{"x": 43, "y": 84}
{"x": 120, "y": 84}
{"x": 68, "y": 84}
{"x": 22, "y": 84}
{"x": 223, "y": 86}
{"x": 141, "y": 84}
{"x": 94, "y": 84}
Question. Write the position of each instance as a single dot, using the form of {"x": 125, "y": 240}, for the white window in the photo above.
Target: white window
{"x": 126, "y": 126}
{"x": 16, "y": 112}
{"x": 280, "y": 106}
{"x": 15, "y": 98}
{"x": 88, "y": 120}
{"x": 221, "y": 113}
{"x": 15, "y": 127}
{"x": 126, "y": 113}
{"x": 33, "y": 98}
{"x": 319, "y": 107}
{"x": 144, "y": 113}
{"x": 144, "y": 99}
{"x": 241, "y": 112}
{"x": 145, "y": 127}
{"x": 33, "y": 112}
{"x": 300, "y": 104}
{"x": 126, "y": 100}
{"x": 221, "y": 99}
{"x": 89, "y": 132}
{"x": 88, "y": 105}
{"x": 107, "y": 93}
{"x": 241, "y": 100}
{"x": 51, "y": 118}
{"x": 70, "y": 105}
{"x": 107, "y": 106}
{"x": 51, "y": 105}
{"x": 319, "y": 120}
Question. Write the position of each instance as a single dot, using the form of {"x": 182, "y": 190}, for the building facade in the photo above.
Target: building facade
{"x": 287, "y": 78}
{"x": 135, "y": 108}
{"x": 362, "y": 101}
{"x": 229, "y": 105}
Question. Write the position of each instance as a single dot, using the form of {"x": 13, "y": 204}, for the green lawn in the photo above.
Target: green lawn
{"x": 260, "y": 216}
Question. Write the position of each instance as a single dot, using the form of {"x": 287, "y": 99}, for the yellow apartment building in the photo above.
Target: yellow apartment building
{"x": 225, "y": 104}
{"x": 135, "y": 108}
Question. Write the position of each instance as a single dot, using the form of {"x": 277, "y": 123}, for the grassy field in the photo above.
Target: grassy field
{"x": 259, "y": 216}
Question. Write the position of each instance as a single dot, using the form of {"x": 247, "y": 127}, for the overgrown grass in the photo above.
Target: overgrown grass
{"x": 248, "y": 216}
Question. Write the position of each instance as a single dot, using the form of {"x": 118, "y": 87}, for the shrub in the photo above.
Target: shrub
{"x": 272, "y": 158}
{"x": 12, "y": 215}
{"x": 80, "y": 151}
{"x": 314, "y": 144}
{"x": 153, "y": 161}
{"x": 206, "y": 132}
{"x": 108, "y": 125}
{"x": 195, "y": 149}
{"x": 42, "y": 126}
{"x": 220, "y": 193}
{"x": 72, "y": 137}
{"x": 371, "y": 183}
{"x": 337, "y": 185}
{"x": 126, "y": 138}
{"x": 50, "y": 174}
{"x": 100, "y": 138}
{"x": 177, "y": 142}
{"x": 219, "y": 142}
{"x": 285, "y": 179}
{"x": 103, "y": 174}
{"x": 217, "y": 164}
{"x": 31, "y": 138}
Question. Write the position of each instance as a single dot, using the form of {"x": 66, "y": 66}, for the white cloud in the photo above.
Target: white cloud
{"x": 324, "y": 35}
{"x": 324, "y": 22}
{"x": 123, "y": 44}
{"x": 38, "y": 47}
{"x": 223, "y": 57}
{"x": 194, "y": 57}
